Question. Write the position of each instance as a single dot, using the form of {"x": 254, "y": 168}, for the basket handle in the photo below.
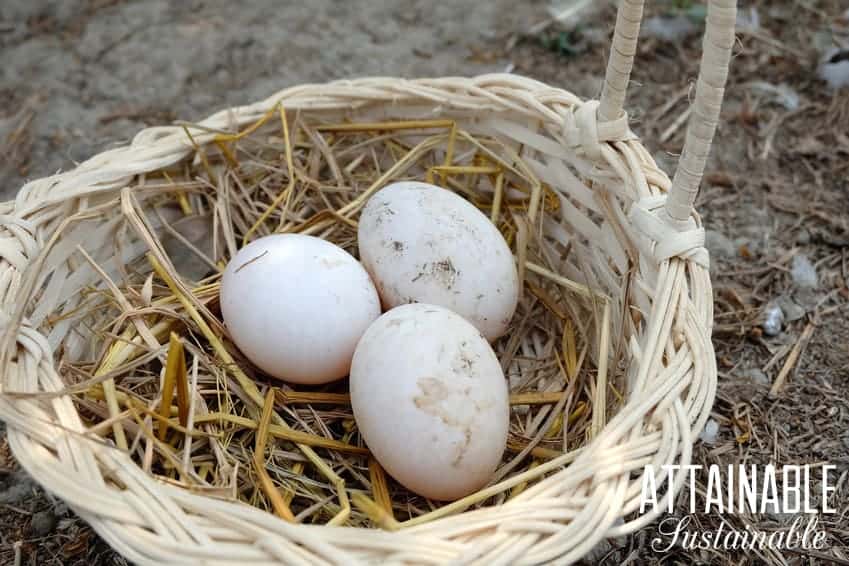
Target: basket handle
{"x": 710, "y": 89}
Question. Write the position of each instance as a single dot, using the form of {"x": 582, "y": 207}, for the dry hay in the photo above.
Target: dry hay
{"x": 153, "y": 371}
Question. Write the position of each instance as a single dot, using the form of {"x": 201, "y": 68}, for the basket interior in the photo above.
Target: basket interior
{"x": 589, "y": 281}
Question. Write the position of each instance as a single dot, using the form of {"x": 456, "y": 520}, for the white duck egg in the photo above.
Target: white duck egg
{"x": 296, "y": 306}
{"x": 430, "y": 400}
{"x": 425, "y": 244}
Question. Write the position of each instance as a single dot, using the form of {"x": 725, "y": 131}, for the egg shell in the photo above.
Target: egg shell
{"x": 424, "y": 244}
{"x": 430, "y": 400}
{"x": 296, "y": 306}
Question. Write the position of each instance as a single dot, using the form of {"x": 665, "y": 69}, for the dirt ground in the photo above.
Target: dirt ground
{"x": 80, "y": 76}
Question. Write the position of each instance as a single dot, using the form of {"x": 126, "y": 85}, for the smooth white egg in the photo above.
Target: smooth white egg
{"x": 430, "y": 400}
{"x": 296, "y": 306}
{"x": 424, "y": 244}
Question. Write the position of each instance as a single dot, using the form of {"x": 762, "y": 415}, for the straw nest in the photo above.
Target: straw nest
{"x": 155, "y": 373}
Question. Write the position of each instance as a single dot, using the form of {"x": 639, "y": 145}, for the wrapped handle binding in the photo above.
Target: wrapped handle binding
{"x": 710, "y": 89}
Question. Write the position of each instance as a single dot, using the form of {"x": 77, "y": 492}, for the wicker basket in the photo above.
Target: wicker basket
{"x": 649, "y": 234}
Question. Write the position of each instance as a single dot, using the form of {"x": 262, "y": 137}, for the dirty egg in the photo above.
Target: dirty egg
{"x": 430, "y": 400}
{"x": 425, "y": 244}
{"x": 296, "y": 306}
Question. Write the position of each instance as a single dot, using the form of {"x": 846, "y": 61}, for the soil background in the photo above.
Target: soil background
{"x": 78, "y": 77}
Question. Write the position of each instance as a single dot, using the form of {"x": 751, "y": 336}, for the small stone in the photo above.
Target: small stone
{"x": 803, "y": 272}
{"x": 756, "y": 375}
{"x": 807, "y": 298}
{"x": 792, "y": 311}
{"x": 719, "y": 245}
{"x": 42, "y": 523}
{"x": 710, "y": 432}
{"x": 835, "y": 68}
{"x": 773, "y": 320}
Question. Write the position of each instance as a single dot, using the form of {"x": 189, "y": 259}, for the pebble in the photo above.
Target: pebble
{"x": 710, "y": 432}
{"x": 835, "y": 69}
{"x": 803, "y": 272}
{"x": 792, "y": 311}
{"x": 42, "y": 523}
{"x": 807, "y": 298}
{"x": 773, "y": 320}
{"x": 756, "y": 375}
{"x": 719, "y": 245}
